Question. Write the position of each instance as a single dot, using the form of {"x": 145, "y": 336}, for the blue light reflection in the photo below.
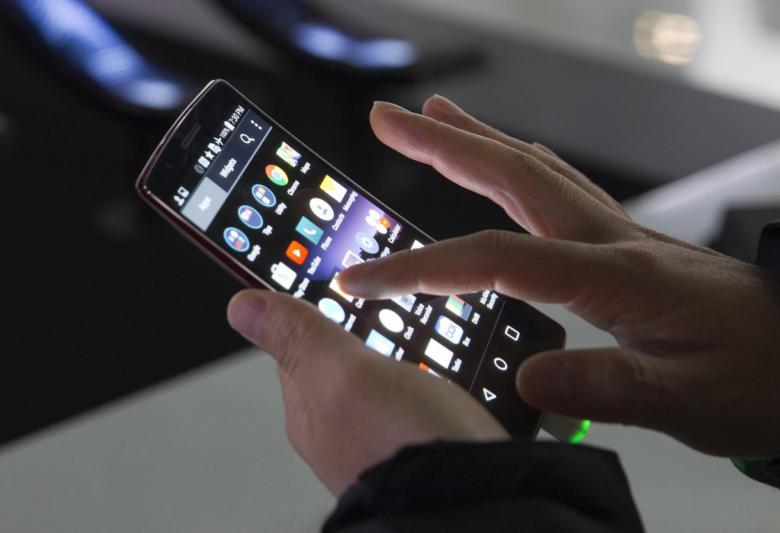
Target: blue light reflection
{"x": 327, "y": 42}
{"x": 88, "y": 44}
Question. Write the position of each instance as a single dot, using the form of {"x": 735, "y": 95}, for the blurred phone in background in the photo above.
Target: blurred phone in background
{"x": 338, "y": 37}
{"x": 88, "y": 49}
{"x": 349, "y": 38}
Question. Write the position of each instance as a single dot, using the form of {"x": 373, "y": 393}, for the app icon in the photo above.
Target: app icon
{"x": 250, "y": 217}
{"x": 335, "y": 286}
{"x": 297, "y": 252}
{"x": 438, "y": 353}
{"x": 254, "y": 254}
{"x": 351, "y": 258}
{"x": 277, "y": 175}
{"x": 321, "y": 209}
{"x": 333, "y": 189}
{"x": 264, "y": 196}
{"x": 332, "y": 310}
{"x": 380, "y": 343}
{"x": 283, "y": 275}
{"x": 367, "y": 243}
{"x": 236, "y": 239}
{"x": 406, "y": 302}
{"x": 288, "y": 155}
{"x": 426, "y": 368}
{"x": 458, "y": 307}
{"x": 310, "y": 230}
{"x": 449, "y": 329}
{"x": 391, "y": 320}
{"x": 378, "y": 221}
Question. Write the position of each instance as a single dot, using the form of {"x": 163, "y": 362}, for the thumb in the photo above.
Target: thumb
{"x": 307, "y": 346}
{"x": 606, "y": 385}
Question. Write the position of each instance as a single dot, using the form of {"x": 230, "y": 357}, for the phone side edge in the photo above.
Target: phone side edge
{"x": 140, "y": 182}
{"x": 214, "y": 252}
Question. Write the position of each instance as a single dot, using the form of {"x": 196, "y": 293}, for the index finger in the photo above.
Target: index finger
{"x": 516, "y": 265}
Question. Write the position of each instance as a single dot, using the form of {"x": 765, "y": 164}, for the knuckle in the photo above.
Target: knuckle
{"x": 535, "y": 167}
{"x": 436, "y": 149}
{"x": 528, "y": 162}
{"x": 658, "y": 394}
{"x": 403, "y": 267}
{"x": 493, "y": 249}
{"x": 640, "y": 232}
{"x": 493, "y": 243}
{"x": 636, "y": 258}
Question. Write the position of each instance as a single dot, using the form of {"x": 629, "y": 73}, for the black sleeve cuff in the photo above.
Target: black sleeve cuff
{"x": 769, "y": 247}
{"x": 767, "y": 470}
{"x": 443, "y": 486}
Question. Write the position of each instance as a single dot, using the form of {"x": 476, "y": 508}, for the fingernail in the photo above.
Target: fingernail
{"x": 446, "y": 104}
{"x": 244, "y": 312}
{"x": 387, "y": 106}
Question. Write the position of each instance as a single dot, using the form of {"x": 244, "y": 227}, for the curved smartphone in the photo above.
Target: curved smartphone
{"x": 278, "y": 216}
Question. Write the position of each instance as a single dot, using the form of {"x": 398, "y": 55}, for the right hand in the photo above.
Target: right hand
{"x": 699, "y": 332}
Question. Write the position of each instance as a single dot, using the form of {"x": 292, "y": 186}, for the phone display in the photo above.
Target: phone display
{"x": 279, "y": 216}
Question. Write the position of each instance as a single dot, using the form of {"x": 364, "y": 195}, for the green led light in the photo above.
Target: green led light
{"x": 580, "y": 435}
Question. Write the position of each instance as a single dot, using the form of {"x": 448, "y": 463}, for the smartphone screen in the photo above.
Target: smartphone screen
{"x": 279, "y": 216}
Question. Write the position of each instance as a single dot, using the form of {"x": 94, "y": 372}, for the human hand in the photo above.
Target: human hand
{"x": 699, "y": 332}
{"x": 346, "y": 408}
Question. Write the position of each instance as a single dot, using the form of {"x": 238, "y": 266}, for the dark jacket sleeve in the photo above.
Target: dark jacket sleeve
{"x": 765, "y": 470}
{"x": 490, "y": 487}
{"x": 769, "y": 247}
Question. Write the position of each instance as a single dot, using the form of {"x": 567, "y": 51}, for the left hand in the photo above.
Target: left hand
{"x": 346, "y": 407}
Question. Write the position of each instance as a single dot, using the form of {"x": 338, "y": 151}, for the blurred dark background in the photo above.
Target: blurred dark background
{"x": 102, "y": 298}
